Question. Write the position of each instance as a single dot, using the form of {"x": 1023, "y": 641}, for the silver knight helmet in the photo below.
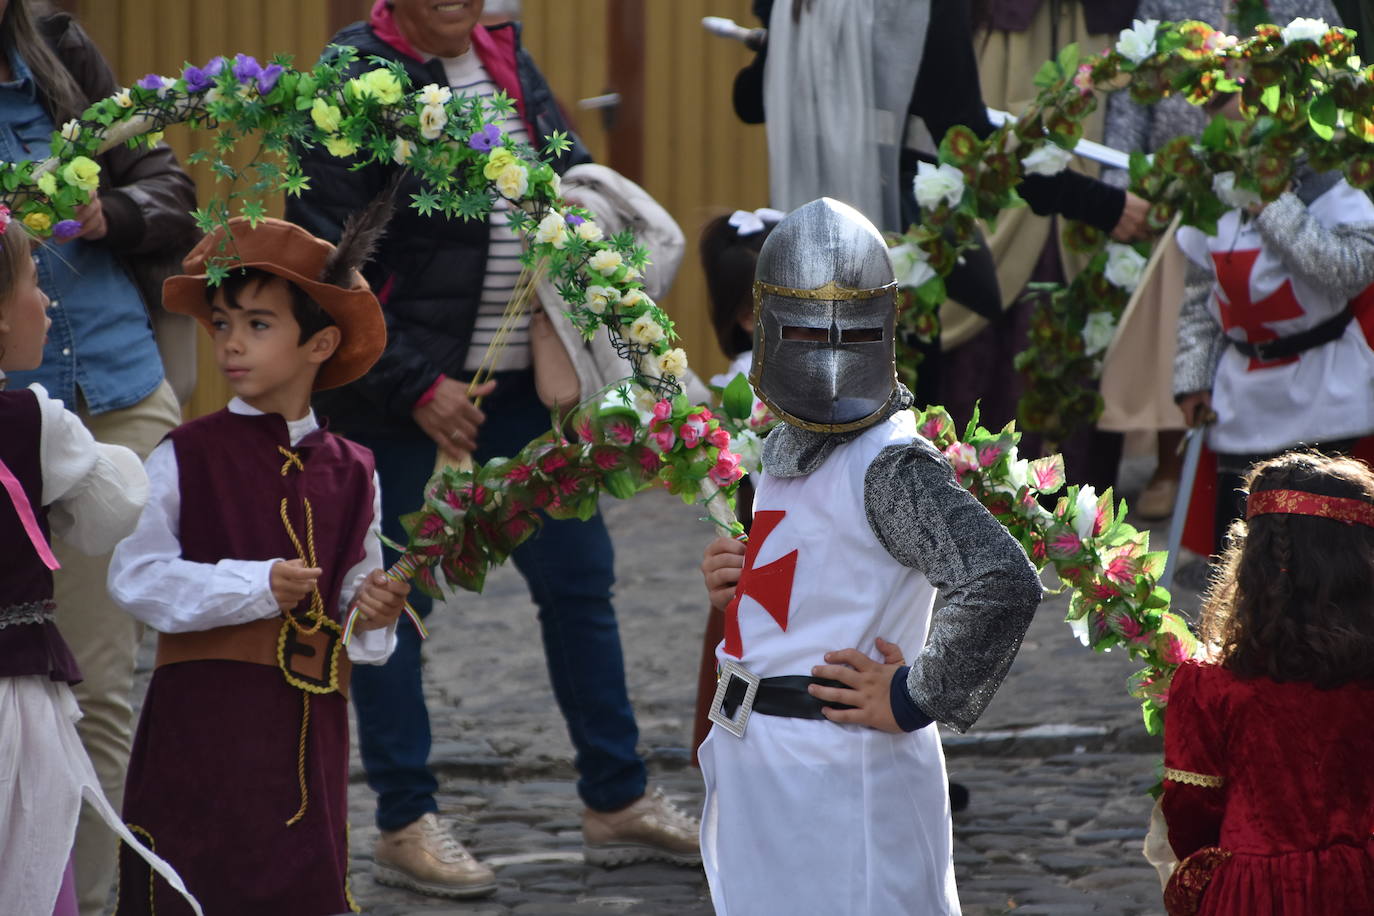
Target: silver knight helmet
{"x": 824, "y": 311}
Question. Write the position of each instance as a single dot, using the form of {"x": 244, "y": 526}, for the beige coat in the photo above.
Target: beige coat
{"x": 617, "y": 204}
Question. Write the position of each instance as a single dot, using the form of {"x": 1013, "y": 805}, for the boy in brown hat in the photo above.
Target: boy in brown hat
{"x": 261, "y": 532}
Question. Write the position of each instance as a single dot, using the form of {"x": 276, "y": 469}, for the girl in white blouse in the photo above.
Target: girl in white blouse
{"x": 56, "y": 480}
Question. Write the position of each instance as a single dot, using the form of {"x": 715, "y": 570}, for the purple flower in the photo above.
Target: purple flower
{"x": 268, "y": 78}
{"x": 151, "y": 81}
{"x": 246, "y": 69}
{"x": 66, "y": 229}
{"x": 197, "y": 80}
{"x": 485, "y": 139}
{"x": 215, "y": 67}
{"x": 574, "y": 220}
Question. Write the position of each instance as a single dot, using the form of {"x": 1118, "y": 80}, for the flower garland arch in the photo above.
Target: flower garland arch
{"x": 1300, "y": 87}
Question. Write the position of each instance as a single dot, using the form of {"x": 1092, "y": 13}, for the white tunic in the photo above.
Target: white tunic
{"x": 806, "y": 816}
{"x": 1323, "y": 394}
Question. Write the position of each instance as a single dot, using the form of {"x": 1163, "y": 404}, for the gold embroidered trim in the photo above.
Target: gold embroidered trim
{"x": 152, "y": 875}
{"x": 1192, "y": 779}
{"x": 831, "y": 291}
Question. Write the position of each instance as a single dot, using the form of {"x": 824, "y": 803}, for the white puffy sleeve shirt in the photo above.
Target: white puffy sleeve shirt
{"x": 150, "y": 580}
{"x": 93, "y": 491}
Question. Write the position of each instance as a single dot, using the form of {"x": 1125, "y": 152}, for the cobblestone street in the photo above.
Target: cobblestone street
{"x": 1058, "y": 766}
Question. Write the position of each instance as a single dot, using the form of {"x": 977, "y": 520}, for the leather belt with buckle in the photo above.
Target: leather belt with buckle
{"x": 740, "y": 693}
{"x": 1290, "y": 346}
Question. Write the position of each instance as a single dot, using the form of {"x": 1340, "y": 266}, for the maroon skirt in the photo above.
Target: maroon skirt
{"x": 213, "y": 780}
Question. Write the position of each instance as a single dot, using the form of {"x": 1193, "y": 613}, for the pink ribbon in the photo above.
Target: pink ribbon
{"x": 26, "y": 516}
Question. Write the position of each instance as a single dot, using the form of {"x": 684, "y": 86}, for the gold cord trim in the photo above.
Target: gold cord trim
{"x": 300, "y": 760}
{"x": 152, "y": 875}
{"x": 293, "y": 460}
{"x": 348, "y": 872}
{"x": 306, "y": 553}
{"x": 1192, "y": 779}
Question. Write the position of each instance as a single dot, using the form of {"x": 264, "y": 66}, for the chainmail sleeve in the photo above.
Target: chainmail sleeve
{"x": 926, "y": 521}
{"x": 1199, "y": 336}
{"x": 1339, "y": 259}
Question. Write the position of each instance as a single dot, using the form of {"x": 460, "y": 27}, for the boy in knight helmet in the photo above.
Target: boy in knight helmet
{"x": 825, "y": 781}
{"x": 260, "y": 533}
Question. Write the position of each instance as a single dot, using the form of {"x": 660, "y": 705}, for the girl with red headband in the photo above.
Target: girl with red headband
{"x": 1268, "y": 787}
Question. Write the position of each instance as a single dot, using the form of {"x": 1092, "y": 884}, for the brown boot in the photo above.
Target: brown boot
{"x": 424, "y": 857}
{"x": 650, "y": 829}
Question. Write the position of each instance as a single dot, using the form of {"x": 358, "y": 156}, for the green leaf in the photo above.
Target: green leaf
{"x": 1068, "y": 60}
{"x": 738, "y": 398}
{"x": 295, "y": 183}
{"x": 254, "y": 212}
{"x": 1217, "y": 134}
{"x": 426, "y": 202}
{"x": 1321, "y": 116}
{"x": 621, "y": 484}
{"x": 1159, "y": 598}
{"x": 932, "y": 292}
{"x": 558, "y": 142}
{"x": 1047, "y": 75}
{"x": 1270, "y": 97}
{"x": 1154, "y": 717}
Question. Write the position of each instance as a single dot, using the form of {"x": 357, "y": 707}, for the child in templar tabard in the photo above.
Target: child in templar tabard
{"x": 261, "y": 532}
{"x": 825, "y": 782}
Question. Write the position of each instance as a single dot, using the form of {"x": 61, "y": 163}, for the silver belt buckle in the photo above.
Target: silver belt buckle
{"x": 730, "y": 672}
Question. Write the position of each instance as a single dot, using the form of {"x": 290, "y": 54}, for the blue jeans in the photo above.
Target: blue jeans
{"x": 569, "y": 568}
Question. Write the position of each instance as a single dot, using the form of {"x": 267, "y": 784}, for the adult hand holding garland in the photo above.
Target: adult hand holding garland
{"x": 1300, "y": 95}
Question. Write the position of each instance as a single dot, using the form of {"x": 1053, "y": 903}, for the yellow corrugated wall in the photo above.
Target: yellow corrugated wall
{"x": 699, "y": 159}
{"x": 158, "y": 36}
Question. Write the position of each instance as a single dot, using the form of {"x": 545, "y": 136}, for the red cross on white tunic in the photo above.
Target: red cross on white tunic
{"x": 770, "y": 586}
{"x": 1252, "y": 316}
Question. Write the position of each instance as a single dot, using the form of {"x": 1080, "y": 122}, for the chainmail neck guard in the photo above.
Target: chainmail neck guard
{"x": 790, "y": 451}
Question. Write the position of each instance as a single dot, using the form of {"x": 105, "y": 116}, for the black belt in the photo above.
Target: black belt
{"x": 782, "y": 696}
{"x": 1293, "y": 344}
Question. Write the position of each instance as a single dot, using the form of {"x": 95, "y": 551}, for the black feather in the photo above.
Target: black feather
{"x": 361, "y": 234}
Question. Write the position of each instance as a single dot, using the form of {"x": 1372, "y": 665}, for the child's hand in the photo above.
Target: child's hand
{"x": 1197, "y": 408}
{"x": 721, "y": 567}
{"x": 379, "y": 601}
{"x": 292, "y": 581}
{"x": 870, "y": 686}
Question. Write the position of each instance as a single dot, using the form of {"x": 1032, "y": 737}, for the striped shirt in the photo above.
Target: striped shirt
{"x": 467, "y": 76}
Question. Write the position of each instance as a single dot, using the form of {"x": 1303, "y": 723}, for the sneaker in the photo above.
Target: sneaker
{"x": 424, "y": 857}
{"x": 650, "y": 829}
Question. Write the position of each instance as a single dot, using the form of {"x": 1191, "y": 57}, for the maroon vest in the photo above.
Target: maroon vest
{"x": 29, "y": 641}
{"x": 235, "y": 470}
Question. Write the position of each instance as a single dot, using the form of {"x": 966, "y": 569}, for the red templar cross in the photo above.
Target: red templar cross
{"x": 770, "y": 586}
{"x": 1238, "y": 310}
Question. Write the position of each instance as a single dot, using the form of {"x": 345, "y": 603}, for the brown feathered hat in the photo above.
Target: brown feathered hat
{"x": 327, "y": 273}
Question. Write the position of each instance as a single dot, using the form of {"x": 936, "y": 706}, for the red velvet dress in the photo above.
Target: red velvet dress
{"x": 1281, "y": 778}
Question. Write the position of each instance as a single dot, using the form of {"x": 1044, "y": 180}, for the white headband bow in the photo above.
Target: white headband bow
{"x": 746, "y": 222}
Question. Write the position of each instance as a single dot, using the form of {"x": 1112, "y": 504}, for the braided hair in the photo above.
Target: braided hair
{"x": 1294, "y": 598}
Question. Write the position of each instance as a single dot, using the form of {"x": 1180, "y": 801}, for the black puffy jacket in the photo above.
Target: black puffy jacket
{"x": 429, "y": 269}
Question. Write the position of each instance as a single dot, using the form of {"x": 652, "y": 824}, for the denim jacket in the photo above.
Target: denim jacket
{"x": 101, "y": 342}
